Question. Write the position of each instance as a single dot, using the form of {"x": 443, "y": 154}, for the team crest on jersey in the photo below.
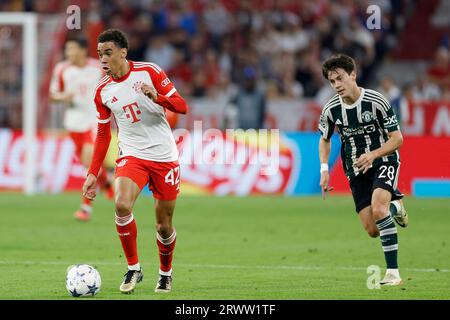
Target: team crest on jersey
{"x": 122, "y": 162}
{"x": 367, "y": 116}
{"x": 137, "y": 86}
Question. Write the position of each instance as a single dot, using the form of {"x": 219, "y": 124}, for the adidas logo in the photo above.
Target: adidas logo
{"x": 114, "y": 99}
{"x": 122, "y": 162}
{"x": 389, "y": 182}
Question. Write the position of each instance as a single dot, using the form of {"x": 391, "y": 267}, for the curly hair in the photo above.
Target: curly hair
{"x": 114, "y": 35}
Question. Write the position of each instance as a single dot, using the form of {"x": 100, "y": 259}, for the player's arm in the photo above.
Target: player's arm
{"x": 101, "y": 146}
{"x": 364, "y": 162}
{"x": 326, "y": 127}
{"x": 64, "y": 97}
{"x": 394, "y": 142}
{"x": 324, "y": 155}
{"x": 57, "y": 93}
{"x": 164, "y": 93}
{"x": 389, "y": 123}
{"x": 174, "y": 103}
{"x": 324, "y": 150}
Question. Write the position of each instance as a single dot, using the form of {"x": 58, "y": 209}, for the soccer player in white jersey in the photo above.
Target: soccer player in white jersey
{"x": 137, "y": 94}
{"x": 72, "y": 84}
{"x": 370, "y": 137}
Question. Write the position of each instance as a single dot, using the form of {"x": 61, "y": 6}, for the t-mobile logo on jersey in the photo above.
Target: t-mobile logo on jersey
{"x": 132, "y": 111}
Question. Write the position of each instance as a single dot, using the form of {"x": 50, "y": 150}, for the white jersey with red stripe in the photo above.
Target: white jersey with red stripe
{"x": 143, "y": 130}
{"x": 80, "y": 116}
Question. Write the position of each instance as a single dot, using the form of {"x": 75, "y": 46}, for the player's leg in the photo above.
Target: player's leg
{"x": 127, "y": 192}
{"x": 362, "y": 196}
{"x": 165, "y": 240}
{"x": 85, "y": 211}
{"x": 381, "y": 200}
{"x": 131, "y": 177}
{"x": 165, "y": 184}
{"x": 87, "y": 150}
{"x": 368, "y": 222}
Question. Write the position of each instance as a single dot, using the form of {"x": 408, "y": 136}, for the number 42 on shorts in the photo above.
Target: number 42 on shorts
{"x": 173, "y": 177}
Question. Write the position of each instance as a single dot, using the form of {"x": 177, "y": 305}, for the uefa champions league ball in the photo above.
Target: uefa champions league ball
{"x": 82, "y": 280}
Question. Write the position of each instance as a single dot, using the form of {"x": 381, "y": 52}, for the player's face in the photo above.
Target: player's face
{"x": 74, "y": 52}
{"x": 111, "y": 57}
{"x": 342, "y": 82}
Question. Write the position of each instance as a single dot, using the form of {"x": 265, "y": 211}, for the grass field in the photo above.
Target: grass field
{"x": 227, "y": 248}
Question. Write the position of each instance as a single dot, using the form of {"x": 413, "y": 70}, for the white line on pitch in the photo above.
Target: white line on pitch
{"x": 221, "y": 266}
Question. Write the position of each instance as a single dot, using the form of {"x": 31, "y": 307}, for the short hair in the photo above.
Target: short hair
{"x": 114, "y": 35}
{"x": 338, "y": 61}
{"x": 80, "y": 39}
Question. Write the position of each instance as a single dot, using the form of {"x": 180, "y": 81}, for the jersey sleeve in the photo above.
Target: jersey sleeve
{"x": 162, "y": 83}
{"x": 57, "y": 80}
{"x": 101, "y": 145}
{"x": 386, "y": 116}
{"x": 103, "y": 112}
{"x": 326, "y": 124}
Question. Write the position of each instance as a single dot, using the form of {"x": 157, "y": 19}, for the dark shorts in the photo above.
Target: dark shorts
{"x": 384, "y": 176}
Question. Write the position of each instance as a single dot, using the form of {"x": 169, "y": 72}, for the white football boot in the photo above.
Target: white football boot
{"x": 401, "y": 217}
{"x": 391, "y": 278}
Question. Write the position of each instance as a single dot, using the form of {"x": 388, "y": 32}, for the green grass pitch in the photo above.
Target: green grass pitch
{"x": 227, "y": 248}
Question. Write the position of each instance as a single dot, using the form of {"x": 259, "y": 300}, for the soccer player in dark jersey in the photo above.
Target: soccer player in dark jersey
{"x": 370, "y": 137}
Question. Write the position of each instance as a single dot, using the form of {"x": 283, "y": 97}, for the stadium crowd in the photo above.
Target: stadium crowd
{"x": 252, "y": 50}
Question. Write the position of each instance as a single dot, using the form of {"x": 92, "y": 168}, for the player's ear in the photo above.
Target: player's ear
{"x": 353, "y": 75}
{"x": 123, "y": 53}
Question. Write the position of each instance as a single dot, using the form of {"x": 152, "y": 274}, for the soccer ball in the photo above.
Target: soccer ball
{"x": 82, "y": 280}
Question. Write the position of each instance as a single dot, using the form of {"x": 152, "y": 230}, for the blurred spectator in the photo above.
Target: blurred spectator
{"x": 292, "y": 37}
{"x": 439, "y": 71}
{"x": 181, "y": 71}
{"x": 389, "y": 89}
{"x": 94, "y": 25}
{"x": 309, "y": 73}
{"x": 159, "y": 51}
{"x": 284, "y": 68}
{"x": 204, "y": 44}
{"x": 217, "y": 20}
{"x": 250, "y": 102}
{"x": 425, "y": 90}
{"x": 10, "y": 77}
{"x": 199, "y": 85}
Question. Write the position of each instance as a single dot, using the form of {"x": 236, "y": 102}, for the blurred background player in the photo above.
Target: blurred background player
{"x": 370, "y": 137}
{"x": 73, "y": 83}
{"x": 137, "y": 94}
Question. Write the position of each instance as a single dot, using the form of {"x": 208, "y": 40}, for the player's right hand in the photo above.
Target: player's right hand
{"x": 324, "y": 180}
{"x": 90, "y": 187}
{"x": 149, "y": 91}
{"x": 67, "y": 97}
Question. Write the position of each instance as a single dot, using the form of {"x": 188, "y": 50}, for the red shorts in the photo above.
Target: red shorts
{"x": 163, "y": 178}
{"x": 81, "y": 138}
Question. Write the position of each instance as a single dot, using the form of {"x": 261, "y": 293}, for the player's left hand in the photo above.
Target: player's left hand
{"x": 364, "y": 162}
{"x": 149, "y": 91}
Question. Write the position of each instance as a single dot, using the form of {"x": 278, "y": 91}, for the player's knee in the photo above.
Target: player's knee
{"x": 379, "y": 212}
{"x": 373, "y": 233}
{"x": 164, "y": 229}
{"x": 123, "y": 207}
